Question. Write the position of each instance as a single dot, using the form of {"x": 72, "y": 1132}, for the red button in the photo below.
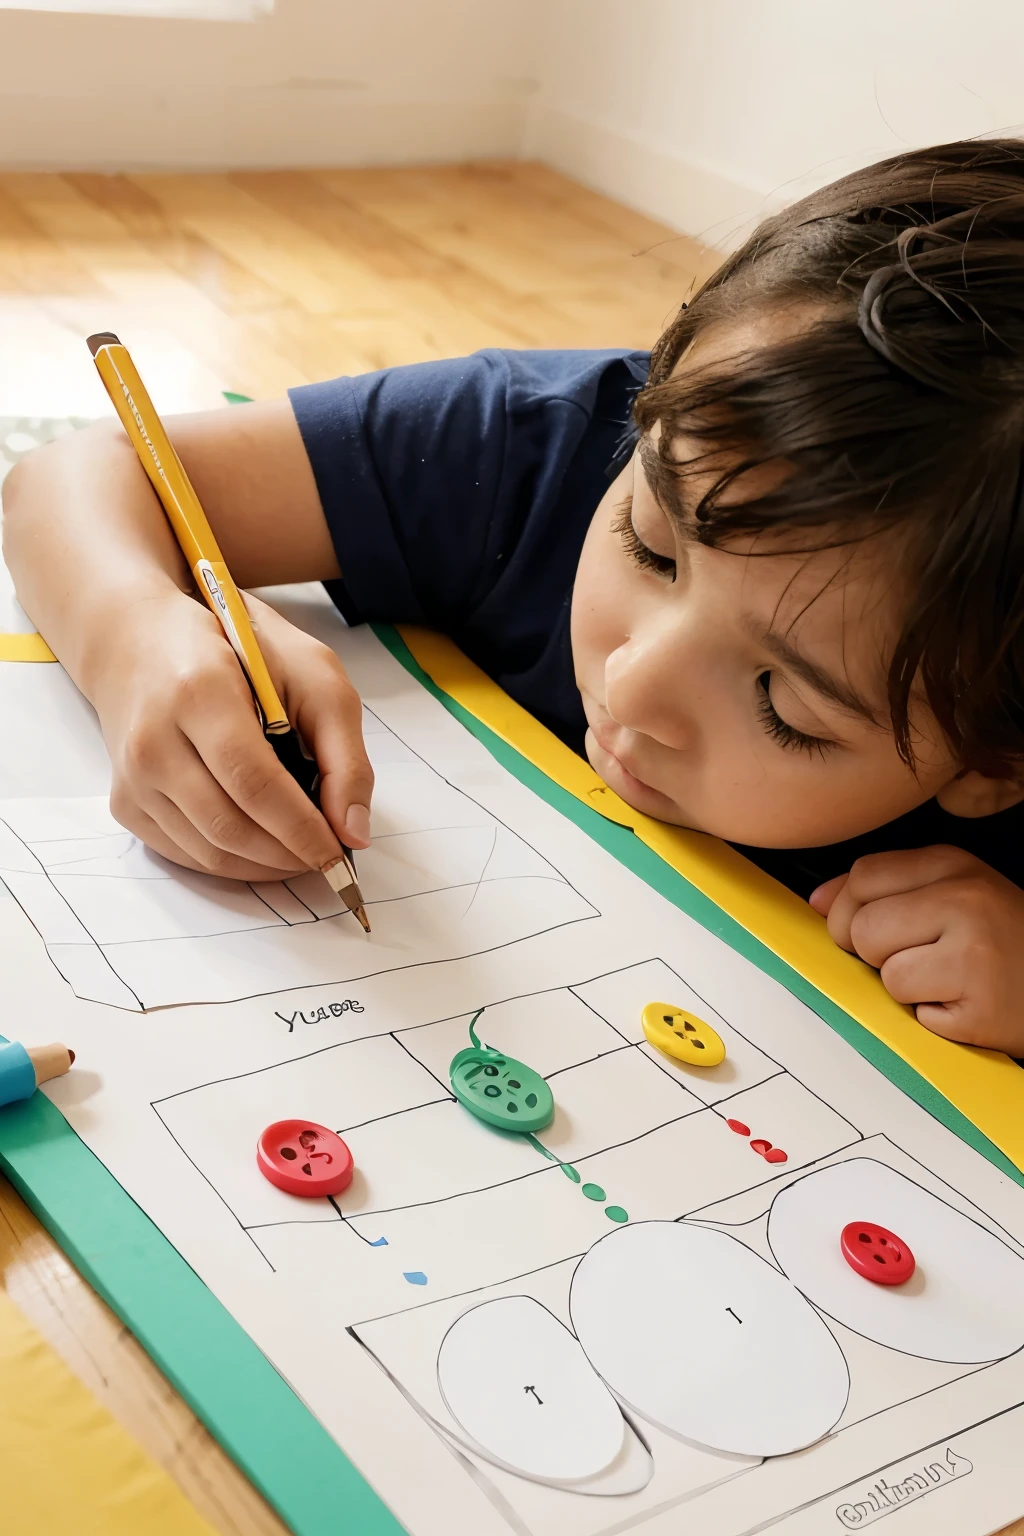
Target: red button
{"x": 876, "y": 1253}
{"x": 304, "y": 1158}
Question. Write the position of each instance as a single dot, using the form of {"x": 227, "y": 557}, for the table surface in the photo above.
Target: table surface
{"x": 255, "y": 282}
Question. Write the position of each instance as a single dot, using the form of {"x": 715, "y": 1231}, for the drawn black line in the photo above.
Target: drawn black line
{"x": 213, "y": 1186}
{"x": 60, "y": 895}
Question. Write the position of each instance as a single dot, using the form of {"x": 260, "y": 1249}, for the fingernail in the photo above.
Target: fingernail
{"x": 357, "y": 824}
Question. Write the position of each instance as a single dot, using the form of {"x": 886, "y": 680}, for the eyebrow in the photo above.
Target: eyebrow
{"x": 662, "y": 483}
{"x": 822, "y": 681}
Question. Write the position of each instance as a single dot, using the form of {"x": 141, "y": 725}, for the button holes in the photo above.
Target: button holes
{"x": 690, "y": 1028}
{"x": 698, "y": 1045}
{"x": 290, "y": 1153}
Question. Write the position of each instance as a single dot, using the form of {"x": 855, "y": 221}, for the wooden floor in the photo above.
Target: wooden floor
{"x": 258, "y": 281}
{"x": 253, "y": 283}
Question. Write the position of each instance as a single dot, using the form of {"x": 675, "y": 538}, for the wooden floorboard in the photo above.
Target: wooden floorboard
{"x": 254, "y": 282}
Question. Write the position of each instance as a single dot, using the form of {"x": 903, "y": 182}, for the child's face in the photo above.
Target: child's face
{"x": 743, "y": 694}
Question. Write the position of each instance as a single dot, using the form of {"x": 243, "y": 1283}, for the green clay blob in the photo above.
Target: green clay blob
{"x": 594, "y": 1192}
{"x": 501, "y": 1091}
{"x": 615, "y": 1213}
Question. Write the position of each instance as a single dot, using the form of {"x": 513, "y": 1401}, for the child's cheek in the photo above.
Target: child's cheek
{"x": 600, "y": 605}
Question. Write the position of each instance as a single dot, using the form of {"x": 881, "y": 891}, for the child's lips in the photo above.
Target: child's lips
{"x": 604, "y": 737}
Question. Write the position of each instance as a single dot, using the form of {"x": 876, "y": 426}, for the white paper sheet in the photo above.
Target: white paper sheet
{"x": 268, "y": 1006}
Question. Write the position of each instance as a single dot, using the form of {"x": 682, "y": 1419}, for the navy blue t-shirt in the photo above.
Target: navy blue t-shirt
{"x": 458, "y": 495}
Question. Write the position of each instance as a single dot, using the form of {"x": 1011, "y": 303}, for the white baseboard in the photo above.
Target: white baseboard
{"x": 690, "y": 198}
{"x": 248, "y": 128}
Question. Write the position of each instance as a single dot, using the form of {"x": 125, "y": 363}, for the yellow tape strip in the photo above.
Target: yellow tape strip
{"x": 28, "y": 647}
{"x": 66, "y": 1467}
{"x": 986, "y": 1086}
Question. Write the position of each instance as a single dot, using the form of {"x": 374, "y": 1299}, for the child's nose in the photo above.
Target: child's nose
{"x": 646, "y": 691}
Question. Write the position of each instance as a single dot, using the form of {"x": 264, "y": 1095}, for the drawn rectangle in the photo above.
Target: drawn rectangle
{"x": 441, "y": 1151}
{"x": 442, "y": 879}
{"x": 550, "y": 1030}
{"x": 217, "y": 1125}
{"x": 621, "y": 997}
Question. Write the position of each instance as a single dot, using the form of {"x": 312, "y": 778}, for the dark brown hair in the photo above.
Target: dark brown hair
{"x": 899, "y": 406}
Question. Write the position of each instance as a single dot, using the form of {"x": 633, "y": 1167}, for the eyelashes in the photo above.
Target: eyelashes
{"x": 781, "y": 731}
{"x": 648, "y": 559}
{"x": 639, "y": 552}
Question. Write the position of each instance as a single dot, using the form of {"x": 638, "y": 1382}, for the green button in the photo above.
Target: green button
{"x": 500, "y": 1090}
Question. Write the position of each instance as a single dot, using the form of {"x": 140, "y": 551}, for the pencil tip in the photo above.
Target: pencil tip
{"x": 364, "y": 921}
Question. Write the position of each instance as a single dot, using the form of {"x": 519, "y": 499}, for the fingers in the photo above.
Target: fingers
{"x": 328, "y": 714}
{"x": 200, "y": 750}
{"x": 335, "y": 735}
{"x": 201, "y": 803}
{"x": 171, "y": 835}
{"x": 944, "y": 931}
{"x": 193, "y": 772}
{"x": 885, "y": 875}
{"x": 195, "y": 764}
{"x": 955, "y": 1022}
{"x": 821, "y": 899}
{"x": 881, "y": 928}
{"x": 261, "y": 793}
{"x": 925, "y": 973}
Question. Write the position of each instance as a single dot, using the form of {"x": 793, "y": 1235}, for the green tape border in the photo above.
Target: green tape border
{"x": 220, "y": 1372}
{"x": 209, "y": 1358}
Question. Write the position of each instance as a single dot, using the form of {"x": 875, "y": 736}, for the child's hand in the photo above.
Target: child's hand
{"x": 193, "y": 775}
{"x": 947, "y": 934}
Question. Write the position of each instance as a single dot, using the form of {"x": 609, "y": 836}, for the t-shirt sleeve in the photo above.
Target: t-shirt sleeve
{"x": 431, "y": 475}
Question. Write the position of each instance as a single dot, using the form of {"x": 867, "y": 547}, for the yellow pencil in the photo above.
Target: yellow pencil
{"x": 185, "y": 514}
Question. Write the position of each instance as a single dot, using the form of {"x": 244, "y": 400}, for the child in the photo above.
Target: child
{"x": 795, "y": 618}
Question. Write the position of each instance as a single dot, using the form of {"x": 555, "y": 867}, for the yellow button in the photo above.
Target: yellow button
{"x": 682, "y": 1035}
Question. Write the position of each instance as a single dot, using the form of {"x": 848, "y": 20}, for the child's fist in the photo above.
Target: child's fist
{"x": 946, "y": 933}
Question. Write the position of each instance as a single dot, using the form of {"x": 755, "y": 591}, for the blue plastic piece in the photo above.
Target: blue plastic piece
{"x": 17, "y": 1074}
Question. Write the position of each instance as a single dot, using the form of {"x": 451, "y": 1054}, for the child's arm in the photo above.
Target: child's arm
{"x": 947, "y": 934}
{"x": 99, "y": 571}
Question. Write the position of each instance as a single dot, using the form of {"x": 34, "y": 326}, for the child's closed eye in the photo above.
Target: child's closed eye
{"x": 780, "y": 730}
{"x": 640, "y": 553}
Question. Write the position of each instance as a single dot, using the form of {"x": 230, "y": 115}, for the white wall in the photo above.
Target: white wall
{"x": 705, "y": 112}
{"x": 701, "y": 112}
{"x": 337, "y": 82}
